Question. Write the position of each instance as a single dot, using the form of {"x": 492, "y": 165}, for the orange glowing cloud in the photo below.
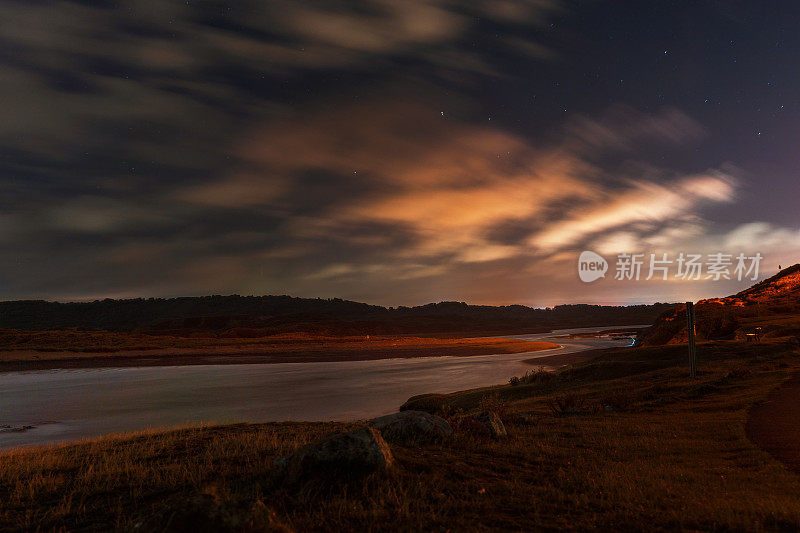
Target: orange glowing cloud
{"x": 641, "y": 202}
{"x": 448, "y": 184}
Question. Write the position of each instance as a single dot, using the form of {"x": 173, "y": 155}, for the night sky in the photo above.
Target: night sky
{"x": 394, "y": 152}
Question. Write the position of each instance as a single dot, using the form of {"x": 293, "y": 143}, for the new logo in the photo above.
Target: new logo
{"x": 591, "y": 266}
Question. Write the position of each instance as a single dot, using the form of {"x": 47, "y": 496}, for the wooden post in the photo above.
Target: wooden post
{"x": 690, "y": 331}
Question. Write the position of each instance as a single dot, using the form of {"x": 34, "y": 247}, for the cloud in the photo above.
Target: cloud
{"x": 325, "y": 148}
{"x": 641, "y": 202}
{"x": 380, "y": 26}
{"x": 404, "y": 183}
{"x": 443, "y": 181}
{"x": 101, "y": 215}
{"x": 238, "y": 191}
{"x": 446, "y": 186}
{"x": 763, "y": 234}
{"x": 95, "y": 95}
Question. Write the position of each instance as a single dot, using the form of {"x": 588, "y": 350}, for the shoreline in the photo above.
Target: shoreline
{"x": 307, "y": 354}
{"x": 559, "y": 360}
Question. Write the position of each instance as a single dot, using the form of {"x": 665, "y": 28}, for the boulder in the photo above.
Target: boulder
{"x": 356, "y": 453}
{"x": 430, "y": 403}
{"x": 492, "y": 423}
{"x": 408, "y": 427}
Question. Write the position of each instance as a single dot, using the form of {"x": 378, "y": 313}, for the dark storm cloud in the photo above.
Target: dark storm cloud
{"x": 382, "y": 150}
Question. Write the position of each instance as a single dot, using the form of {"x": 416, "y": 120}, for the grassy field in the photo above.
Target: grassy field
{"x": 34, "y": 350}
{"x": 626, "y": 441}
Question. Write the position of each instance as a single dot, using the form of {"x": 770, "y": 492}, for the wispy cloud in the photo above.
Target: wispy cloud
{"x": 640, "y": 202}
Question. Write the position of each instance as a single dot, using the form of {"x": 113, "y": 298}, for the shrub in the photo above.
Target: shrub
{"x": 566, "y": 404}
{"x": 493, "y": 403}
{"x": 537, "y": 375}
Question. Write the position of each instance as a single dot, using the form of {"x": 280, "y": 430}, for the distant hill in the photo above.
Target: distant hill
{"x": 245, "y": 316}
{"x": 772, "y": 305}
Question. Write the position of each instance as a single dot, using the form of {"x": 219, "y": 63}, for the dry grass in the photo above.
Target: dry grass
{"x": 676, "y": 458}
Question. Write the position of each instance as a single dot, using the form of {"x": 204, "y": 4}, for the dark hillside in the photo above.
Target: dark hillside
{"x": 263, "y": 315}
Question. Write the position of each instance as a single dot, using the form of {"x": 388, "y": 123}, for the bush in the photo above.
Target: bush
{"x": 494, "y": 404}
{"x": 537, "y": 375}
{"x": 566, "y": 404}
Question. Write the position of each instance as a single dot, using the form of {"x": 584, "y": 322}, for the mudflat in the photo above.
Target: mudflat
{"x": 32, "y": 350}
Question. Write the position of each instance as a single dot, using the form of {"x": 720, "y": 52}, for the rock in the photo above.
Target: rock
{"x": 492, "y": 423}
{"x": 407, "y": 427}
{"x": 15, "y": 429}
{"x": 430, "y": 403}
{"x": 356, "y": 453}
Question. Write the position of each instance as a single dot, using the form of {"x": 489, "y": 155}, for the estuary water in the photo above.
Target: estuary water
{"x": 47, "y": 406}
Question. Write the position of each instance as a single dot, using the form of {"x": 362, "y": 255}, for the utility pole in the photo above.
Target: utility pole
{"x": 690, "y": 331}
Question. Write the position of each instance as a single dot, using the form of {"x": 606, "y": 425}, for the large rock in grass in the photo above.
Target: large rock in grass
{"x": 413, "y": 427}
{"x": 430, "y": 403}
{"x": 492, "y": 424}
{"x": 339, "y": 455}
